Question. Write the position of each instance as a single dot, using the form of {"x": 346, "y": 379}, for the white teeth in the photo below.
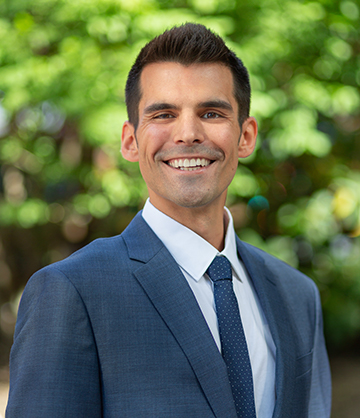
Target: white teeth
{"x": 189, "y": 165}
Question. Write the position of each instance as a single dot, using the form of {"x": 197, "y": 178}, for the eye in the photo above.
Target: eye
{"x": 211, "y": 115}
{"x": 164, "y": 116}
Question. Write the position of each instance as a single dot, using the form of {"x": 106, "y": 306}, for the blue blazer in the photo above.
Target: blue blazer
{"x": 115, "y": 331}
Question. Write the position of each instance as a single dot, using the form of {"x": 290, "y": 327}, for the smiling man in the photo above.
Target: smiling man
{"x": 188, "y": 140}
{"x": 176, "y": 317}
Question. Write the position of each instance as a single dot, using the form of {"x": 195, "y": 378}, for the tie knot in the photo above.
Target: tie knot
{"x": 220, "y": 269}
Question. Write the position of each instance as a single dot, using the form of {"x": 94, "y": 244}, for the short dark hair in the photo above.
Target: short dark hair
{"x": 188, "y": 44}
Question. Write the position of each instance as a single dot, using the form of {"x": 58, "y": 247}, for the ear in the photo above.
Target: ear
{"x": 248, "y": 137}
{"x": 129, "y": 147}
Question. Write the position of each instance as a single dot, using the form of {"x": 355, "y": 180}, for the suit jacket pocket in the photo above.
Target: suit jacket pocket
{"x": 300, "y": 402}
{"x": 304, "y": 364}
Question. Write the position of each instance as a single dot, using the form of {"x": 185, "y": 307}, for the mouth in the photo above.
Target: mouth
{"x": 189, "y": 164}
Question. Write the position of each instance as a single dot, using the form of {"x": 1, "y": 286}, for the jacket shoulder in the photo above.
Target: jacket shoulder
{"x": 276, "y": 270}
{"x": 102, "y": 253}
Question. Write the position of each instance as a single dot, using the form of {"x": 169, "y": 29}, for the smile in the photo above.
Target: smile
{"x": 189, "y": 164}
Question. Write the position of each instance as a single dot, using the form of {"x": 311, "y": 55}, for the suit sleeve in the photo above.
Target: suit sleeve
{"x": 54, "y": 368}
{"x": 320, "y": 393}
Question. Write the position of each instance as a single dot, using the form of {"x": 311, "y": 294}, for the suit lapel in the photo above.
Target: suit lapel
{"x": 172, "y": 297}
{"x": 277, "y": 315}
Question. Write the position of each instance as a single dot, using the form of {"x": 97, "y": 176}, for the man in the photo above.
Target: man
{"x": 146, "y": 324}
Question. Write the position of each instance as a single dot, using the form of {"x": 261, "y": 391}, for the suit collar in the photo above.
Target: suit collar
{"x": 141, "y": 242}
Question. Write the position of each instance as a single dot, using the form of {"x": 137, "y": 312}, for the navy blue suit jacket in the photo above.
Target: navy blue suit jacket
{"x": 115, "y": 331}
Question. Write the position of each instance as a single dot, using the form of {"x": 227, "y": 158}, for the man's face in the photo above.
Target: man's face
{"x": 188, "y": 139}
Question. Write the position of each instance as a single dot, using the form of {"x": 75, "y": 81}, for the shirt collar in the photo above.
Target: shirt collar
{"x": 190, "y": 251}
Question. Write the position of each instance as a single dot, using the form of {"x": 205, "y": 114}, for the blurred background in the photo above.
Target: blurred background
{"x": 63, "y": 183}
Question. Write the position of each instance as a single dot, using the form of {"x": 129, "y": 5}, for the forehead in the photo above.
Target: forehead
{"x": 174, "y": 82}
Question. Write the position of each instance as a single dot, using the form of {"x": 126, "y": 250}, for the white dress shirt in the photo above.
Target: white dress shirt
{"x": 193, "y": 255}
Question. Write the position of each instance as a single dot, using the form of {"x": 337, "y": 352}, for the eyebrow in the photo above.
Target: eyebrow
{"x": 155, "y": 107}
{"x": 219, "y": 104}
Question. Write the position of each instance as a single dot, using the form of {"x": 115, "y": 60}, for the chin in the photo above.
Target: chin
{"x": 192, "y": 201}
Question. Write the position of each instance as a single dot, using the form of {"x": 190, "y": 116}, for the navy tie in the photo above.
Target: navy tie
{"x": 232, "y": 337}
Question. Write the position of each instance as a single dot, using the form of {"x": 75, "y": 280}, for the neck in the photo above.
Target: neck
{"x": 208, "y": 222}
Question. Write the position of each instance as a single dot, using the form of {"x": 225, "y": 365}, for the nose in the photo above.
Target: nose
{"x": 189, "y": 130}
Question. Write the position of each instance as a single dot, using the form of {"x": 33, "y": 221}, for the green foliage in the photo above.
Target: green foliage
{"x": 63, "y": 66}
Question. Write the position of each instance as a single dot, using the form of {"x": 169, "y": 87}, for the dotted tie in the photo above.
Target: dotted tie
{"x": 232, "y": 337}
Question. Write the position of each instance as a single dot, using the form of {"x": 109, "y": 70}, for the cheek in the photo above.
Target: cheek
{"x": 158, "y": 134}
{"x": 150, "y": 141}
{"x": 226, "y": 137}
